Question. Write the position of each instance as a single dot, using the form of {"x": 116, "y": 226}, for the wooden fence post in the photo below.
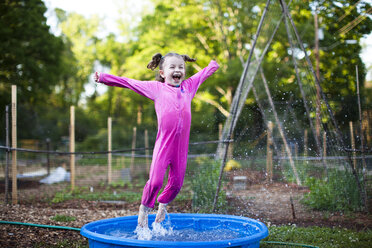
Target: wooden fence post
{"x": 14, "y": 145}
{"x": 72, "y": 147}
{"x": 352, "y": 140}
{"x": 109, "y": 148}
{"x": 219, "y": 131}
{"x": 324, "y": 144}
{"x": 133, "y": 152}
{"x": 7, "y": 144}
{"x": 305, "y": 142}
{"x": 365, "y": 128}
{"x": 296, "y": 150}
{"x": 269, "y": 156}
{"x": 48, "y": 155}
{"x": 147, "y": 151}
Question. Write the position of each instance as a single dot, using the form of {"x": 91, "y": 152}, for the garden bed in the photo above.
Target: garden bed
{"x": 269, "y": 203}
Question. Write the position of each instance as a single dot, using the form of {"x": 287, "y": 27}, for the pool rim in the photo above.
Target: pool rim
{"x": 263, "y": 233}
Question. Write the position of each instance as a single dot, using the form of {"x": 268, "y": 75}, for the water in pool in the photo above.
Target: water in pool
{"x": 158, "y": 232}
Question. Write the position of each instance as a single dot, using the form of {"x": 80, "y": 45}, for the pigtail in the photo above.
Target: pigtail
{"x": 186, "y": 58}
{"x": 155, "y": 61}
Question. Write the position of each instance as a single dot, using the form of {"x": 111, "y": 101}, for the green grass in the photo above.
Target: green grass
{"x": 63, "y": 218}
{"x": 318, "y": 236}
{"x": 107, "y": 195}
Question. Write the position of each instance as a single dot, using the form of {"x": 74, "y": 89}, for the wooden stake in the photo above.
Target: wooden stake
{"x": 14, "y": 145}
{"x": 269, "y": 156}
{"x": 147, "y": 151}
{"x": 365, "y": 127}
{"x": 296, "y": 150}
{"x": 7, "y": 144}
{"x": 305, "y": 142}
{"x": 133, "y": 152}
{"x": 292, "y": 207}
{"x": 219, "y": 131}
{"x": 369, "y": 139}
{"x": 109, "y": 148}
{"x": 230, "y": 150}
{"x": 324, "y": 144}
{"x": 48, "y": 155}
{"x": 352, "y": 140}
{"x": 72, "y": 146}
{"x": 139, "y": 115}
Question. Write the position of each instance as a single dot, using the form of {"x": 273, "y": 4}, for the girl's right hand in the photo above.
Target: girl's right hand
{"x": 96, "y": 76}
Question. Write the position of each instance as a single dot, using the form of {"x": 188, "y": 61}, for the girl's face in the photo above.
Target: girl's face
{"x": 173, "y": 70}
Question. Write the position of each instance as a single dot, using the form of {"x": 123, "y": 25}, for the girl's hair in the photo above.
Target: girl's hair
{"x": 158, "y": 60}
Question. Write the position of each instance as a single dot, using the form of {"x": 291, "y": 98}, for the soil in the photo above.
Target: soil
{"x": 271, "y": 203}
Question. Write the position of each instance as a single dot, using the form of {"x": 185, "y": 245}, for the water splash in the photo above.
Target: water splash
{"x": 142, "y": 233}
{"x": 165, "y": 232}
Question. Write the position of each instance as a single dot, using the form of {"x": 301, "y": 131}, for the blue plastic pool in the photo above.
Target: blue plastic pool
{"x": 210, "y": 230}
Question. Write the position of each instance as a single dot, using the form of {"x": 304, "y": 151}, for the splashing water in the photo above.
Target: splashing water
{"x": 143, "y": 233}
{"x": 160, "y": 233}
{"x": 165, "y": 232}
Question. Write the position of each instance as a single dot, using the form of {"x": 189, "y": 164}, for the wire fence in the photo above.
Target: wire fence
{"x": 44, "y": 173}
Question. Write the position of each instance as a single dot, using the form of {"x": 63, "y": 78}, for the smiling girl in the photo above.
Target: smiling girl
{"x": 172, "y": 95}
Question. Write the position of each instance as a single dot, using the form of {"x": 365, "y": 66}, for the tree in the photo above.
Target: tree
{"x": 30, "y": 56}
{"x": 344, "y": 25}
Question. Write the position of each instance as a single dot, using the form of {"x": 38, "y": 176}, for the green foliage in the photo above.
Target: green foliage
{"x": 30, "y": 55}
{"x": 63, "y": 218}
{"x": 109, "y": 194}
{"x": 338, "y": 57}
{"x": 204, "y": 184}
{"x": 317, "y": 236}
{"x": 339, "y": 192}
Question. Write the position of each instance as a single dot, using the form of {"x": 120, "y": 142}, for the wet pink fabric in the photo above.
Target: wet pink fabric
{"x": 173, "y": 110}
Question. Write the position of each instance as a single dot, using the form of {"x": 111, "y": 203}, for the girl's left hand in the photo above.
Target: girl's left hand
{"x": 96, "y": 76}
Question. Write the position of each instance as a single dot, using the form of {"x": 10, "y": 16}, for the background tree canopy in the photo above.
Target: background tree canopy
{"x": 51, "y": 72}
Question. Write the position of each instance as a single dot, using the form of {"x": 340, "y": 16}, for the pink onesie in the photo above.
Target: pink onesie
{"x": 173, "y": 110}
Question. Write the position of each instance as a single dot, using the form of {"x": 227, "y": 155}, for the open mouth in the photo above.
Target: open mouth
{"x": 177, "y": 76}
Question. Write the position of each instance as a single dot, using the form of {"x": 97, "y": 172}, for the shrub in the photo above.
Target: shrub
{"x": 204, "y": 184}
{"x": 63, "y": 218}
{"x": 339, "y": 192}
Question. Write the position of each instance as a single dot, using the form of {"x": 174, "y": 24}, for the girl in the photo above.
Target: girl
{"x": 172, "y": 96}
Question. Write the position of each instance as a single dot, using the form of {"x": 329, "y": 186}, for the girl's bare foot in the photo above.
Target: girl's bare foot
{"x": 143, "y": 216}
{"x": 162, "y": 211}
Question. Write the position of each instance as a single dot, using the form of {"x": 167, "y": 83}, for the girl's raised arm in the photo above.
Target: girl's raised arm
{"x": 197, "y": 79}
{"x": 148, "y": 89}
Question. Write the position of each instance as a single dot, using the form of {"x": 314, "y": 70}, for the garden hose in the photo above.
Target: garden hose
{"x": 39, "y": 225}
{"x": 78, "y": 229}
